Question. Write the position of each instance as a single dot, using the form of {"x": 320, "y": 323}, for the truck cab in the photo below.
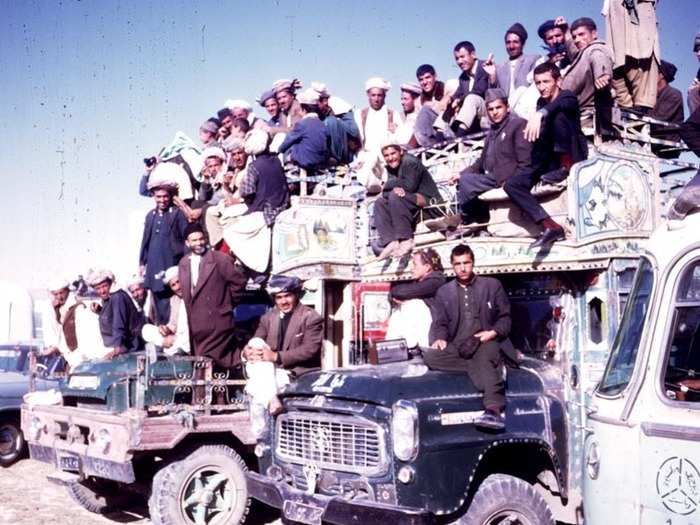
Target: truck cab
{"x": 642, "y": 460}
{"x": 172, "y": 430}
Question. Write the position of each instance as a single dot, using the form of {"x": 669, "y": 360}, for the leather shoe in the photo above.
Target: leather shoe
{"x": 549, "y": 236}
{"x": 491, "y": 421}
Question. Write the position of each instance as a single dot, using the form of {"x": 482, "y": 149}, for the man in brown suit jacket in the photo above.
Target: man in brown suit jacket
{"x": 210, "y": 285}
{"x": 293, "y": 332}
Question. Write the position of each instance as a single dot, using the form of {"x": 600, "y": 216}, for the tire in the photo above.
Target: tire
{"x": 208, "y": 486}
{"x": 99, "y": 496}
{"x": 501, "y": 497}
{"x": 12, "y": 444}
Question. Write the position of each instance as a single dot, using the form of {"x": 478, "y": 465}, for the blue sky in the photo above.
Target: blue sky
{"x": 90, "y": 88}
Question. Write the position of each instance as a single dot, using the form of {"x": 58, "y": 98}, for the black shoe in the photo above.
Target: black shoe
{"x": 549, "y": 236}
{"x": 491, "y": 421}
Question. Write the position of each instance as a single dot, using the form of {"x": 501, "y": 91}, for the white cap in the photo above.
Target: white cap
{"x": 238, "y": 103}
{"x": 308, "y": 96}
{"x": 57, "y": 283}
{"x": 214, "y": 151}
{"x": 171, "y": 273}
{"x": 377, "y": 82}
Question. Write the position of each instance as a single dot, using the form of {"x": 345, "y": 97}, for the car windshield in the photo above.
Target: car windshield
{"x": 623, "y": 355}
{"x": 13, "y": 360}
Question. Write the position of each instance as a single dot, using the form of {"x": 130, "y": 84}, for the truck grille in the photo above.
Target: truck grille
{"x": 333, "y": 442}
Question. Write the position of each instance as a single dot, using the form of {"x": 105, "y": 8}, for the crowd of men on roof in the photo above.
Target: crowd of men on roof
{"x": 210, "y": 230}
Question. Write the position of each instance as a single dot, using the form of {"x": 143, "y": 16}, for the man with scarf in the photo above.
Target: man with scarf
{"x": 506, "y": 153}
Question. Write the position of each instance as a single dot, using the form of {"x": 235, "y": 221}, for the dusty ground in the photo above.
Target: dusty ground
{"x": 27, "y": 498}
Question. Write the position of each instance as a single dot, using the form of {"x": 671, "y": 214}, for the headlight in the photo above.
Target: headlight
{"x": 36, "y": 427}
{"x": 404, "y": 430}
{"x": 84, "y": 382}
{"x": 103, "y": 440}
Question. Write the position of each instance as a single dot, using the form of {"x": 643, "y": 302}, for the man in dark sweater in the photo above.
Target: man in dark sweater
{"x": 555, "y": 130}
{"x": 669, "y": 108}
{"x": 307, "y": 142}
{"x": 470, "y": 331}
{"x": 408, "y": 188}
{"x": 120, "y": 321}
{"x": 506, "y": 153}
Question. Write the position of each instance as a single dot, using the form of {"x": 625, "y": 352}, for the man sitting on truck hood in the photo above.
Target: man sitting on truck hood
{"x": 288, "y": 336}
{"x": 472, "y": 335}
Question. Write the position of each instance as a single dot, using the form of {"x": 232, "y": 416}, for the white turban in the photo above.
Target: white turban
{"x": 231, "y": 144}
{"x": 320, "y": 88}
{"x": 171, "y": 273}
{"x": 166, "y": 175}
{"x": 57, "y": 283}
{"x": 238, "y": 103}
{"x": 338, "y": 105}
{"x": 411, "y": 88}
{"x": 214, "y": 151}
{"x": 97, "y": 276}
{"x": 308, "y": 96}
{"x": 134, "y": 280}
{"x": 392, "y": 140}
{"x": 256, "y": 141}
{"x": 377, "y": 82}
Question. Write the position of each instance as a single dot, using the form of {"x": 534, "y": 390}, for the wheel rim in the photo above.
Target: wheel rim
{"x": 208, "y": 496}
{"x": 508, "y": 517}
{"x": 9, "y": 438}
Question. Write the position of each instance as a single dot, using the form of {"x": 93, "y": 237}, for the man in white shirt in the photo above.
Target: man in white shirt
{"x": 376, "y": 123}
{"x": 173, "y": 337}
{"x": 410, "y": 103}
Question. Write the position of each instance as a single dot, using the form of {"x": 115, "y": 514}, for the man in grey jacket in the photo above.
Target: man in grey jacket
{"x": 513, "y": 73}
{"x": 506, "y": 153}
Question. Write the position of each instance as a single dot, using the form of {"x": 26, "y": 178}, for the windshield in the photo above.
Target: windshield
{"x": 13, "y": 360}
{"x": 624, "y": 351}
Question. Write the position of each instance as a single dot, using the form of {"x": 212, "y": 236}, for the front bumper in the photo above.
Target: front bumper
{"x": 316, "y": 508}
{"x": 83, "y": 465}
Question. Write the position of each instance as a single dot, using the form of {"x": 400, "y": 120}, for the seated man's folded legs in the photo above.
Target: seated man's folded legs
{"x": 471, "y": 185}
{"x": 519, "y": 189}
{"x": 425, "y": 133}
{"x": 485, "y": 369}
{"x": 473, "y": 108}
{"x": 394, "y": 220}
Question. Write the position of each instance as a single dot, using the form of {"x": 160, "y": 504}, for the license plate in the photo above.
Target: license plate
{"x": 302, "y": 512}
{"x": 69, "y": 462}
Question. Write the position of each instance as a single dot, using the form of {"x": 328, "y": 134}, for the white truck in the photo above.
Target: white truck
{"x": 642, "y": 449}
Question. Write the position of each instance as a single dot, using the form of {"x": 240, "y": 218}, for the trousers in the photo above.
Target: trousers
{"x": 484, "y": 367}
{"x": 394, "y": 217}
{"x": 471, "y": 185}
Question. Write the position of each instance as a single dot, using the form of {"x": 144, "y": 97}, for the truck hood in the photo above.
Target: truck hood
{"x": 13, "y": 386}
{"x": 386, "y": 384}
{"x": 106, "y": 373}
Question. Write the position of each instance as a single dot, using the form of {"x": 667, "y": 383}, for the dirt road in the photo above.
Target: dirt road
{"x": 27, "y": 498}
